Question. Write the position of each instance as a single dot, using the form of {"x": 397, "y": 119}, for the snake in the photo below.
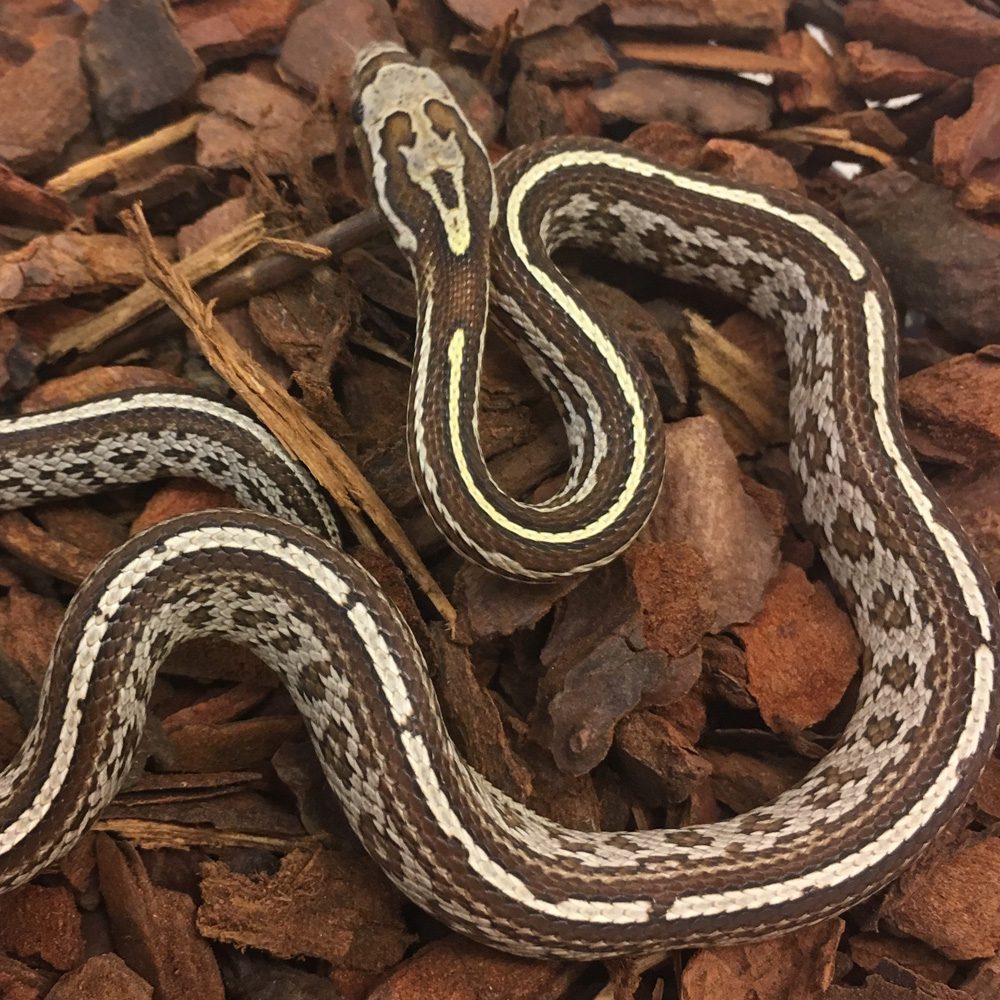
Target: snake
{"x": 275, "y": 577}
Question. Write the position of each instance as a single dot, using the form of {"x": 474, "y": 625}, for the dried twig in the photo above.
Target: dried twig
{"x": 285, "y": 417}
{"x": 207, "y": 260}
{"x": 103, "y": 163}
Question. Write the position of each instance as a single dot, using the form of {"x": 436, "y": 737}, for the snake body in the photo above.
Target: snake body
{"x": 927, "y": 711}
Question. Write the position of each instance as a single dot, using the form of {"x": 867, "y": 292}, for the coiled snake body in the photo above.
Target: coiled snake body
{"x": 927, "y": 712}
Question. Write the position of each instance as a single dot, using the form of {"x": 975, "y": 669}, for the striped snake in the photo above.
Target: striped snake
{"x": 275, "y": 579}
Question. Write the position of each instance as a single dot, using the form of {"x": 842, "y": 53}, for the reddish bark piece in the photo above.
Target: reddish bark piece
{"x": 178, "y": 192}
{"x": 455, "y": 968}
{"x": 881, "y": 74}
{"x": 953, "y": 410}
{"x": 235, "y": 744}
{"x": 595, "y": 677}
{"x": 489, "y": 605}
{"x": 795, "y": 966}
{"x": 12, "y": 729}
{"x": 869, "y": 125}
{"x": 474, "y": 721}
{"x": 802, "y": 652}
{"x": 27, "y": 204}
{"x": 94, "y": 382}
{"x": 474, "y": 99}
{"x": 304, "y": 322}
{"x": 567, "y": 55}
{"x": 975, "y": 501}
{"x": 19, "y": 359}
{"x": 673, "y": 588}
{"x": 658, "y": 759}
{"x": 260, "y": 122}
{"x": 532, "y": 16}
{"x": 319, "y": 50}
{"x": 425, "y": 24}
{"x": 729, "y": 20}
{"x": 136, "y": 60}
{"x": 987, "y": 794}
{"x": 154, "y": 928}
{"x": 704, "y": 505}
{"x": 937, "y": 259}
{"x": 741, "y": 782}
{"x": 28, "y": 626}
{"x": 74, "y": 522}
{"x": 229, "y": 29}
{"x": 36, "y": 547}
{"x": 579, "y": 113}
{"x": 21, "y": 982}
{"x": 669, "y": 141}
{"x": 815, "y": 88}
{"x": 182, "y": 496}
{"x": 915, "y": 988}
{"x": 870, "y": 950}
{"x": 950, "y": 900}
{"x": 212, "y": 224}
{"x": 712, "y": 107}
{"x": 983, "y": 983}
{"x": 725, "y": 672}
{"x": 950, "y": 34}
{"x": 224, "y": 707}
{"x": 62, "y": 264}
{"x": 318, "y": 903}
{"x": 103, "y": 977}
{"x": 967, "y": 149}
{"x": 45, "y": 104}
{"x": 39, "y": 922}
{"x": 533, "y": 111}
{"x": 743, "y": 162}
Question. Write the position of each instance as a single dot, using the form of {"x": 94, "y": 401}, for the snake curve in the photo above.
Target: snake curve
{"x": 927, "y": 711}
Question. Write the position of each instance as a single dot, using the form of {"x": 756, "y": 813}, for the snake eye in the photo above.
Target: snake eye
{"x": 358, "y": 111}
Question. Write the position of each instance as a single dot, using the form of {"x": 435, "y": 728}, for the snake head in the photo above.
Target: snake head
{"x": 430, "y": 171}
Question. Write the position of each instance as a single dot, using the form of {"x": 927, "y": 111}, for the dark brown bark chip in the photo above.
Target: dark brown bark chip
{"x": 456, "y": 969}
{"x": 319, "y": 903}
{"x": 534, "y": 111}
{"x": 475, "y": 722}
{"x": 709, "y": 106}
{"x": 881, "y": 74}
{"x": 704, "y": 505}
{"x": 951, "y": 34}
{"x": 45, "y": 104}
{"x": 527, "y": 17}
{"x": 722, "y": 20}
{"x": 19, "y": 981}
{"x": 154, "y": 928}
{"x": 566, "y": 55}
{"x": 136, "y": 60}
{"x": 228, "y": 29}
{"x": 916, "y": 988}
{"x": 24, "y": 203}
{"x": 318, "y": 51}
{"x": 103, "y": 977}
{"x": 936, "y": 258}
{"x": 870, "y": 950}
{"x": 658, "y": 759}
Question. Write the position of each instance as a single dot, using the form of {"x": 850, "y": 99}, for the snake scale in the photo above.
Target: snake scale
{"x": 275, "y": 579}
